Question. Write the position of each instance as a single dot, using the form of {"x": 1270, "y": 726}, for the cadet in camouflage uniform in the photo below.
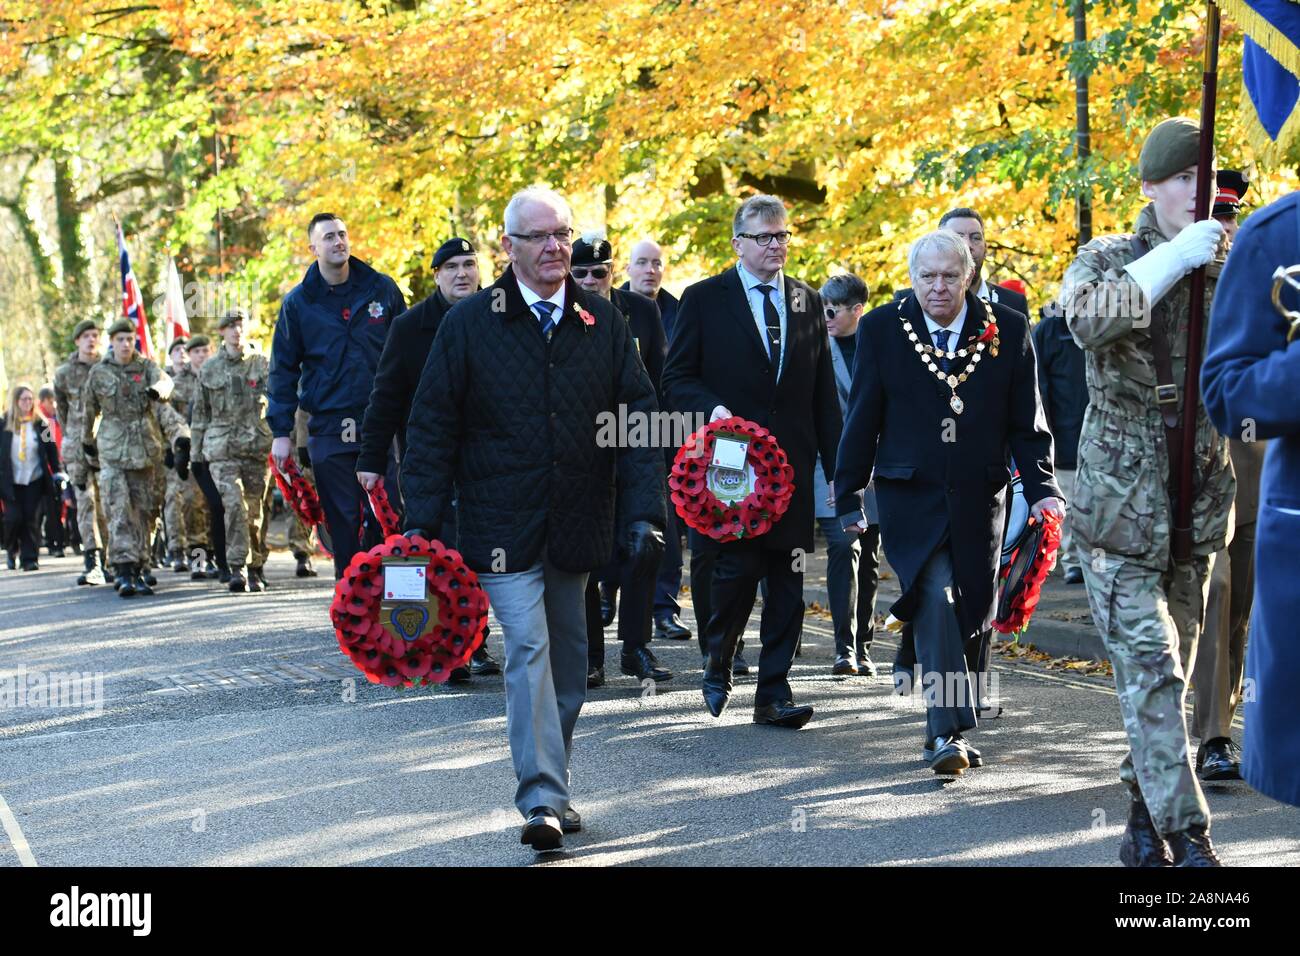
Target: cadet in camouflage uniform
{"x": 128, "y": 389}
{"x": 83, "y": 469}
{"x": 1148, "y": 608}
{"x": 231, "y": 435}
{"x": 184, "y": 513}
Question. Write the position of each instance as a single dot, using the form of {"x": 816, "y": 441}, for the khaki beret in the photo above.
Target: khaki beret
{"x": 1170, "y": 148}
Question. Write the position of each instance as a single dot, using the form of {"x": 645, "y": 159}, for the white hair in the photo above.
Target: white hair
{"x": 593, "y": 236}
{"x": 941, "y": 240}
{"x": 537, "y": 194}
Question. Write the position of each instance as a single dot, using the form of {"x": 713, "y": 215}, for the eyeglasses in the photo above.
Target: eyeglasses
{"x": 581, "y": 272}
{"x": 765, "y": 238}
{"x": 562, "y": 237}
{"x": 833, "y": 310}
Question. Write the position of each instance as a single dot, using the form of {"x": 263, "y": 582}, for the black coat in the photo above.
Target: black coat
{"x": 716, "y": 357}
{"x": 1062, "y": 385}
{"x": 668, "y": 306}
{"x": 511, "y": 421}
{"x": 49, "y": 453}
{"x": 647, "y": 328}
{"x": 929, "y": 489}
{"x": 396, "y": 379}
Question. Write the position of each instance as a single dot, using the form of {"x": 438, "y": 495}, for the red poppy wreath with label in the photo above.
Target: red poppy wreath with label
{"x": 751, "y": 501}
{"x": 298, "y": 492}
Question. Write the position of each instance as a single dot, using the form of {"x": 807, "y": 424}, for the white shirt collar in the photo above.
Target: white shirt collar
{"x": 749, "y": 280}
{"x": 983, "y": 291}
{"x": 530, "y": 297}
{"x": 954, "y": 327}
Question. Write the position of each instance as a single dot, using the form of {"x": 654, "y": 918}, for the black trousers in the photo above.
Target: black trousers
{"x": 703, "y": 554}
{"x": 352, "y": 525}
{"x": 216, "y": 512}
{"x": 22, "y": 522}
{"x": 636, "y": 595}
{"x": 737, "y": 570}
{"x": 55, "y": 535}
{"x": 669, "y": 583}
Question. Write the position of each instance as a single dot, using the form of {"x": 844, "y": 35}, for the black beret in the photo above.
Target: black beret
{"x": 455, "y": 246}
{"x": 589, "y": 253}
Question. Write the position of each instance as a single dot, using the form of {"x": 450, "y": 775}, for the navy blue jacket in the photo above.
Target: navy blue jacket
{"x": 667, "y": 303}
{"x": 327, "y": 344}
{"x": 1250, "y": 381}
{"x": 1061, "y": 384}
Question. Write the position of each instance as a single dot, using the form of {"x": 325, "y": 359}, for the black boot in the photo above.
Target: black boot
{"x": 143, "y": 580}
{"x": 125, "y": 582}
{"x": 1192, "y": 847}
{"x": 304, "y": 569}
{"x": 196, "y": 570}
{"x": 255, "y": 583}
{"x": 238, "y": 583}
{"x": 1142, "y": 844}
{"x": 94, "y": 573}
{"x": 220, "y": 572}
{"x": 179, "y": 564}
{"x": 259, "y": 572}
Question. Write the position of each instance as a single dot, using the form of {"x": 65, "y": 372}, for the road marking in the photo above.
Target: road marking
{"x": 16, "y": 835}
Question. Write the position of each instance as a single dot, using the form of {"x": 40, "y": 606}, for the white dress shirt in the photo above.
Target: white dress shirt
{"x": 530, "y": 297}
{"x": 755, "y": 298}
{"x": 955, "y": 327}
{"x": 25, "y": 470}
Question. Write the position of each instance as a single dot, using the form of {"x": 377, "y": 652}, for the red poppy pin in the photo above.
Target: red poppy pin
{"x": 587, "y": 318}
{"x": 136, "y": 377}
{"x": 990, "y": 330}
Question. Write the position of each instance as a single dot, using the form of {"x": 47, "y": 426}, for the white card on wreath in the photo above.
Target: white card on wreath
{"x": 404, "y": 583}
{"x": 730, "y": 453}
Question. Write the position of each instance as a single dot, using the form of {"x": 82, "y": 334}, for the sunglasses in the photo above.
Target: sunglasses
{"x": 599, "y": 272}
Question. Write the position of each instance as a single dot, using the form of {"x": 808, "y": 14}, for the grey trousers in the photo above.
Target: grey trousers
{"x": 945, "y": 679}
{"x": 544, "y": 628}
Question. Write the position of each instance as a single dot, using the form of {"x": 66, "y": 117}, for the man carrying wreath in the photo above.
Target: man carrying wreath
{"x": 944, "y": 395}
{"x": 507, "y": 414}
{"x": 751, "y": 342}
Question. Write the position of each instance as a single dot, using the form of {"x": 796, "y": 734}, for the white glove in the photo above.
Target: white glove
{"x": 1160, "y": 269}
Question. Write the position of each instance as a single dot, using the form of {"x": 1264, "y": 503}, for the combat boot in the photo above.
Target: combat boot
{"x": 256, "y": 583}
{"x": 196, "y": 570}
{"x": 143, "y": 580}
{"x": 179, "y": 564}
{"x": 124, "y": 583}
{"x": 94, "y": 574}
{"x": 1142, "y": 844}
{"x": 146, "y": 574}
{"x": 223, "y": 573}
{"x": 304, "y": 569}
{"x": 1192, "y": 847}
{"x": 238, "y": 583}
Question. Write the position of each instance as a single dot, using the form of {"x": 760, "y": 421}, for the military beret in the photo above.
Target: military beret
{"x": 455, "y": 246}
{"x": 1232, "y": 185}
{"x": 1170, "y": 148}
{"x": 196, "y": 342}
{"x": 85, "y": 325}
{"x": 177, "y": 342}
{"x": 121, "y": 325}
{"x": 231, "y": 317}
{"x": 589, "y": 253}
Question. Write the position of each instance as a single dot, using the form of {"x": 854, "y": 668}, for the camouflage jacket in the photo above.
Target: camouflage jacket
{"x": 228, "y": 416}
{"x": 1121, "y": 503}
{"x": 187, "y": 387}
{"x": 69, "y": 379}
{"x": 134, "y": 423}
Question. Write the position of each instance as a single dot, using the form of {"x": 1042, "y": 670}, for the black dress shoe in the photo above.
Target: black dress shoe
{"x": 866, "y": 666}
{"x": 304, "y": 568}
{"x": 460, "y": 675}
{"x": 542, "y": 831}
{"x": 596, "y": 677}
{"x": 31, "y": 566}
{"x": 947, "y": 756}
{"x": 1192, "y": 847}
{"x": 783, "y": 714}
{"x": 640, "y": 662}
{"x": 221, "y": 574}
{"x": 716, "y": 687}
{"x": 739, "y": 666}
{"x": 1074, "y": 575}
{"x": 974, "y": 756}
{"x": 671, "y": 628}
{"x": 483, "y": 664}
{"x": 844, "y": 664}
{"x": 571, "y": 822}
{"x": 1142, "y": 845}
{"x": 606, "y": 605}
{"x": 1217, "y": 759}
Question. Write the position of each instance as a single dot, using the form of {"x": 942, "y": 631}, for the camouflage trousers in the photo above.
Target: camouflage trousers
{"x": 1150, "y": 622}
{"x": 300, "y": 537}
{"x": 242, "y": 483}
{"x": 129, "y": 500}
{"x": 184, "y": 513}
{"x": 90, "y": 508}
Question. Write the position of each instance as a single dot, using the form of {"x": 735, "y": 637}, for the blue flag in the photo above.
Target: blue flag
{"x": 1270, "y": 68}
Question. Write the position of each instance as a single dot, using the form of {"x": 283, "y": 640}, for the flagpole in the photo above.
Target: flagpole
{"x": 1185, "y": 492}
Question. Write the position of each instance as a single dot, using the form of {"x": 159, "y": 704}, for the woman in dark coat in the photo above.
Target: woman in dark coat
{"x": 28, "y": 461}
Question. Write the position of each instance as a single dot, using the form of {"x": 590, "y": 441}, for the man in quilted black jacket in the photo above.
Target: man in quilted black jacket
{"x": 507, "y": 414}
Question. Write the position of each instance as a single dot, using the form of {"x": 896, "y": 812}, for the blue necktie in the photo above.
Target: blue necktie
{"x": 546, "y": 312}
{"x": 941, "y": 342}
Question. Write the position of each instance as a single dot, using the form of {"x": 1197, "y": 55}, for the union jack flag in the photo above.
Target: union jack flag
{"x": 132, "y": 300}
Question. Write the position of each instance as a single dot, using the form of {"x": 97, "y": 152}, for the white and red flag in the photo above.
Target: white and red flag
{"x": 177, "y": 323}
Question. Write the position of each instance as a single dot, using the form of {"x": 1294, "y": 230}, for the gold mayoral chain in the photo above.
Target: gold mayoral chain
{"x": 928, "y": 353}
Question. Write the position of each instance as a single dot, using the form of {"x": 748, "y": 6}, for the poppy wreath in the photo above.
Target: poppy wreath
{"x": 389, "y": 522}
{"x": 298, "y": 492}
{"x": 1040, "y": 566}
{"x": 442, "y": 646}
{"x": 701, "y": 509}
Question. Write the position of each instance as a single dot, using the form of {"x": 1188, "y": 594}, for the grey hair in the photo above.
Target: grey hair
{"x": 765, "y": 208}
{"x": 537, "y": 194}
{"x": 943, "y": 240}
{"x": 844, "y": 289}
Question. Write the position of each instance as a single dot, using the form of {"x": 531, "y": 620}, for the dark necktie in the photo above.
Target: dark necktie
{"x": 772, "y": 319}
{"x": 546, "y": 312}
{"x": 941, "y": 343}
